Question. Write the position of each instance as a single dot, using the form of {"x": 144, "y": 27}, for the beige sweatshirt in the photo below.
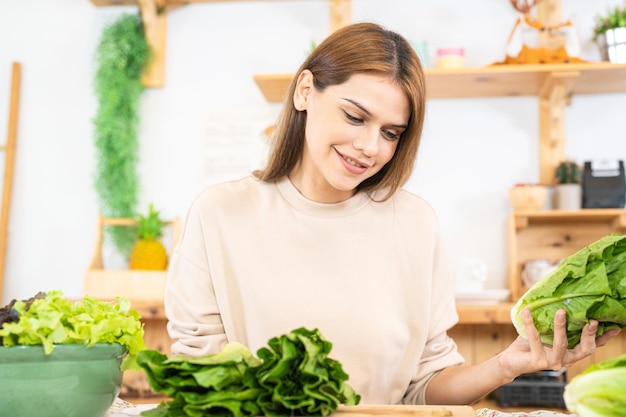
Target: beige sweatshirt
{"x": 257, "y": 260}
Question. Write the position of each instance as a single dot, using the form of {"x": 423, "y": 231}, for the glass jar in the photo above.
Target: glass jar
{"x": 450, "y": 58}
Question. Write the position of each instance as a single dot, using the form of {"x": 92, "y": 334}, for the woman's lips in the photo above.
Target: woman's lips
{"x": 354, "y": 166}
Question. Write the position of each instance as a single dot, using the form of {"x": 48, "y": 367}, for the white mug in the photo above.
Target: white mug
{"x": 534, "y": 270}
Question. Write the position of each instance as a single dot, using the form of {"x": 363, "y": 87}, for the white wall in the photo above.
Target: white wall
{"x": 206, "y": 124}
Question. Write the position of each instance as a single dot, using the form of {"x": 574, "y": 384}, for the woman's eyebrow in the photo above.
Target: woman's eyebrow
{"x": 360, "y": 106}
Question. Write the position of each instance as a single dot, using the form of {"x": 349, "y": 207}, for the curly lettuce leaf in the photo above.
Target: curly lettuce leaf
{"x": 600, "y": 390}
{"x": 53, "y": 320}
{"x": 590, "y": 284}
{"x": 299, "y": 378}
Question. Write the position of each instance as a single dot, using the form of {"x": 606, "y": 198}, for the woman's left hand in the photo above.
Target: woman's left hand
{"x": 531, "y": 355}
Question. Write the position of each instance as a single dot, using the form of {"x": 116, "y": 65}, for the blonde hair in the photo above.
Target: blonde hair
{"x": 357, "y": 48}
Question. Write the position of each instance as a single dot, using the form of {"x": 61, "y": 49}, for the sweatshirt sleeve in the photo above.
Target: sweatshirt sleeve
{"x": 194, "y": 320}
{"x": 440, "y": 351}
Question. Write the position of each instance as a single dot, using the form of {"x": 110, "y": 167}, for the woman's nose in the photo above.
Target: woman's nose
{"x": 367, "y": 143}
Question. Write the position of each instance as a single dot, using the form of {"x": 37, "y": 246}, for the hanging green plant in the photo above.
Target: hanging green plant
{"x": 122, "y": 55}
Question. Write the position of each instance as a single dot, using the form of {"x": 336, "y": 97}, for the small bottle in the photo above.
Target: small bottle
{"x": 450, "y": 58}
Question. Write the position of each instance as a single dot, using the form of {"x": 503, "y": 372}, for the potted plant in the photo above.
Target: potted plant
{"x": 610, "y": 34}
{"x": 568, "y": 191}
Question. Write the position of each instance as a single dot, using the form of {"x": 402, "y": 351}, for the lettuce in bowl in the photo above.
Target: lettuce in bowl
{"x": 50, "y": 319}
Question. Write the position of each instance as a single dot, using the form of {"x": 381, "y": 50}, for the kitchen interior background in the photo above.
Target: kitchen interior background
{"x": 206, "y": 124}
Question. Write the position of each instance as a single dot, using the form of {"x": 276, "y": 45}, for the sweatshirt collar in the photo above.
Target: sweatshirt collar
{"x": 312, "y": 208}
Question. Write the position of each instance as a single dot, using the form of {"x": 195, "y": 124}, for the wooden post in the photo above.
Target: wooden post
{"x": 553, "y": 98}
{"x": 9, "y": 160}
{"x": 340, "y": 14}
{"x": 154, "y": 17}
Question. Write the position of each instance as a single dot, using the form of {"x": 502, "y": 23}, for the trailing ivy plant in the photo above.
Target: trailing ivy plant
{"x": 121, "y": 57}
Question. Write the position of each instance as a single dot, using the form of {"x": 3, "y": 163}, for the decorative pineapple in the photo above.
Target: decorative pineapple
{"x": 148, "y": 252}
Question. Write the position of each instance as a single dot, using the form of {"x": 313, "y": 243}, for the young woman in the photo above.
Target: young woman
{"x": 325, "y": 237}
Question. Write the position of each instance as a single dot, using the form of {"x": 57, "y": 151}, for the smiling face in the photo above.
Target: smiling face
{"x": 352, "y": 131}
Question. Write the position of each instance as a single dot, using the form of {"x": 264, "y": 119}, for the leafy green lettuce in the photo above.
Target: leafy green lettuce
{"x": 53, "y": 319}
{"x": 299, "y": 378}
{"x": 590, "y": 284}
{"x": 599, "y": 391}
{"x": 206, "y": 385}
{"x": 292, "y": 376}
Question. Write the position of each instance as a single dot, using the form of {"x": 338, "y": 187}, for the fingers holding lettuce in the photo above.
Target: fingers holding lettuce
{"x": 579, "y": 306}
{"x": 529, "y": 353}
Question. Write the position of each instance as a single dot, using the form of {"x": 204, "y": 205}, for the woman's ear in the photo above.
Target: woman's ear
{"x": 304, "y": 87}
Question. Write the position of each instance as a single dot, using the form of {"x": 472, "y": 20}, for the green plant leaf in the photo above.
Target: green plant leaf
{"x": 122, "y": 55}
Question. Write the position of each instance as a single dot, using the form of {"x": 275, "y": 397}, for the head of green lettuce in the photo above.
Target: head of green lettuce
{"x": 600, "y": 390}
{"x": 590, "y": 284}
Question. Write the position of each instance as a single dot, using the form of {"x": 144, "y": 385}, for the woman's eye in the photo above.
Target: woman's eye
{"x": 352, "y": 118}
{"x": 390, "y": 135}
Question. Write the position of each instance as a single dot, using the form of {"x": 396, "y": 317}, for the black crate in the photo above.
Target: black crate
{"x": 539, "y": 389}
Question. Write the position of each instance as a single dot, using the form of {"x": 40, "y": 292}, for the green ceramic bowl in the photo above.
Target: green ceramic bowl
{"x": 72, "y": 381}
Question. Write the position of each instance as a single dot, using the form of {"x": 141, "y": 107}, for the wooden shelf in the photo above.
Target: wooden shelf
{"x": 617, "y": 217}
{"x": 273, "y": 86}
{"x": 493, "y": 81}
{"x": 525, "y": 80}
{"x": 484, "y": 314}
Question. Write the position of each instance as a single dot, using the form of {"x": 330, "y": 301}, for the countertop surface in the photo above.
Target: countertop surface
{"x": 123, "y": 408}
